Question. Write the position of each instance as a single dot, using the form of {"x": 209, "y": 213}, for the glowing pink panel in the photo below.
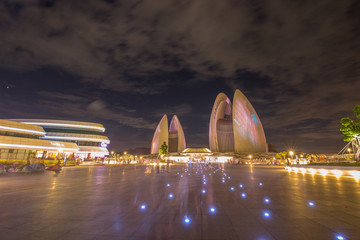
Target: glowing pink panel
{"x": 249, "y": 134}
{"x": 161, "y": 135}
{"x": 176, "y": 130}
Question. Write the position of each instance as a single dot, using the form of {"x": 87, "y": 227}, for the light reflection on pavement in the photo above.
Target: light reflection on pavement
{"x": 195, "y": 201}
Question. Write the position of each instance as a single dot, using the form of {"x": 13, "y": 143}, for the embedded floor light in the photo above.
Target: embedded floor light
{"x": 187, "y": 220}
{"x": 340, "y": 237}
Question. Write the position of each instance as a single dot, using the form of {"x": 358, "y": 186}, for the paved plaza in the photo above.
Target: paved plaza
{"x": 182, "y": 202}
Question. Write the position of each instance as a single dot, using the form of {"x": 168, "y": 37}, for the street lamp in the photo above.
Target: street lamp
{"x": 291, "y": 155}
{"x": 125, "y": 153}
{"x": 349, "y": 150}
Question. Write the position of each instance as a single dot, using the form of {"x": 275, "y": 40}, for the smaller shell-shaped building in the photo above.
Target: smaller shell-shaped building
{"x": 161, "y": 135}
{"x": 235, "y": 127}
{"x": 174, "y": 136}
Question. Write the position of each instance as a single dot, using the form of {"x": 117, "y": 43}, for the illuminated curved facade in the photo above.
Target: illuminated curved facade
{"x": 174, "y": 136}
{"x": 249, "y": 134}
{"x": 19, "y": 141}
{"x": 235, "y": 127}
{"x": 161, "y": 135}
{"x": 88, "y": 136}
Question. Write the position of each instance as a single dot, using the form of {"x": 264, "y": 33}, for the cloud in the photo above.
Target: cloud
{"x": 179, "y": 110}
{"x": 61, "y": 96}
{"x": 296, "y": 61}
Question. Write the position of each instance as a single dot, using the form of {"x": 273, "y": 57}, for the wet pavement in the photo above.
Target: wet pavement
{"x": 185, "y": 202}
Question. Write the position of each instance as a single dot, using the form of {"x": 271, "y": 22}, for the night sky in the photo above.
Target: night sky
{"x": 126, "y": 63}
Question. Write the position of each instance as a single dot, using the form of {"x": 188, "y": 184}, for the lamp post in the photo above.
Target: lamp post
{"x": 291, "y": 155}
{"x": 349, "y": 151}
{"x": 250, "y": 158}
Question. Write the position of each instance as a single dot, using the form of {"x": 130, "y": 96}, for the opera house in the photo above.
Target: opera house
{"x": 235, "y": 127}
{"x": 173, "y": 136}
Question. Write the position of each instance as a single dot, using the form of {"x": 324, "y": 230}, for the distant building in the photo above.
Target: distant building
{"x": 198, "y": 155}
{"x": 89, "y": 137}
{"x": 235, "y": 127}
{"x": 174, "y": 136}
{"x": 19, "y": 141}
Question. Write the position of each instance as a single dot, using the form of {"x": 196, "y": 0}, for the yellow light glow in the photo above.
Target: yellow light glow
{"x": 349, "y": 149}
{"x": 355, "y": 174}
{"x": 296, "y": 170}
{"x": 125, "y": 153}
{"x": 65, "y": 125}
{"x": 312, "y": 171}
{"x": 323, "y": 172}
{"x": 22, "y": 130}
{"x": 303, "y": 170}
{"x": 337, "y": 173}
{"x": 291, "y": 153}
{"x": 107, "y": 141}
{"x": 250, "y": 156}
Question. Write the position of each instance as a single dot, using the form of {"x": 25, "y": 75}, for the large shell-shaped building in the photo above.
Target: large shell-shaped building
{"x": 174, "y": 136}
{"x": 235, "y": 127}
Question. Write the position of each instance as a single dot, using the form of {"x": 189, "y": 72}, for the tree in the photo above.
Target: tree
{"x": 351, "y": 130}
{"x": 281, "y": 155}
{"x": 163, "y": 150}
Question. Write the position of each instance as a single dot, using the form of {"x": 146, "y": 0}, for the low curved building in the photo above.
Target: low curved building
{"x": 89, "y": 137}
{"x": 19, "y": 141}
{"x": 235, "y": 127}
{"x": 173, "y": 137}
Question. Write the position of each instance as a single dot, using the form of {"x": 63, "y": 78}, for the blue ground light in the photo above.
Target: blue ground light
{"x": 187, "y": 220}
{"x": 340, "y": 237}
{"x": 241, "y": 186}
{"x": 171, "y": 195}
{"x": 212, "y": 210}
{"x": 168, "y": 185}
{"x": 232, "y": 188}
{"x": 143, "y": 207}
{"x": 243, "y": 195}
{"x": 260, "y": 184}
{"x": 266, "y": 214}
{"x": 311, "y": 204}
{"x": 267, "y": 200}
{"x": 203, "y": 191}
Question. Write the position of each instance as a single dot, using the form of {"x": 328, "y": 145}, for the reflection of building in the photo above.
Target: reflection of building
{"x": 19, "y": 141}
{"x": 173, "y": 137}
{"x": 235, "y": 127}
{"x": 89, "y": 137}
